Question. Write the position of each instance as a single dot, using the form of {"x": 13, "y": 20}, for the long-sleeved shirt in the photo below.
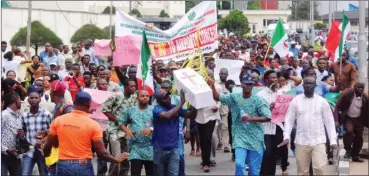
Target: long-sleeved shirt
{"x": 11, "y": 122}
{"x": 313, "y": 116}
{"x": 223, "y": 108}
{"x": 269, "y": 96}
{"x": 349, "y": 74}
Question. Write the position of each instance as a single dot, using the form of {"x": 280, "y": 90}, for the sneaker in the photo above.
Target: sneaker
{"x": 206, "y": 169}
{"x": 226, "y": 150}
{"x": 347, "y": 155}
{"x": 357, "y": 159}
{"x": 219, "y": 147}
{"x": 330, "y": 161}
{"x": 212, "y": 163}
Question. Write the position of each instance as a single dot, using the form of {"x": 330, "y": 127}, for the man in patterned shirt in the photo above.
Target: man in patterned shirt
{"x": 36, "y": 121}
{"x": 113, "y": 108}
{"x": 248, "y": 111}
{"x": 139, "y": 134}
{"x": 11, "y": 122}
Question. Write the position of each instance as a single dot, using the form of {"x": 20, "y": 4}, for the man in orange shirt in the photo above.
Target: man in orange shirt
{"x": 75, "y": 134}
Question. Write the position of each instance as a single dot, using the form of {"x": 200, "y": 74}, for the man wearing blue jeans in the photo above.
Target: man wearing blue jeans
{"x": 248, "y": 111}
{"x": 165, "y": 135}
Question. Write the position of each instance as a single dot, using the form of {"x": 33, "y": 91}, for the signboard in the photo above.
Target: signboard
{"x": 178, "y": 42}
{"x": 280, "y": 109}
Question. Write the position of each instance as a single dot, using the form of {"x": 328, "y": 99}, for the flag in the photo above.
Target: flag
{"x": 279, "y": 40}
{"x": 145, "y": 56}
{"x": 337, "y": 37}
{"x": 352, "y": 7}
{"x": 145, "y": 78}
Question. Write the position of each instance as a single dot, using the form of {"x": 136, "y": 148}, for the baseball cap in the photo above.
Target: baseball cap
{"x": 53, "y": 63}
{"x": 247, "y": 79}
{"x": 83, "y": 97}
{"x": 58, "y": 86}
{"x": 161, "y": 94}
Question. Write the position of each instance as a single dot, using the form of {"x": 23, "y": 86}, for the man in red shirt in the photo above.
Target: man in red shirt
{"x": 75, "y": 81}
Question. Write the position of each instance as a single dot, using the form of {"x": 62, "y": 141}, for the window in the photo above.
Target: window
{"x": 266, "y": 22}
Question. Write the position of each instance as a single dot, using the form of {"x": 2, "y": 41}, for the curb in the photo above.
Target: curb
{"x": 343, "y": 164}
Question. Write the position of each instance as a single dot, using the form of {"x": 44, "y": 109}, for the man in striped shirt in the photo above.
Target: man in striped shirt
{"x": 269, "y": 94}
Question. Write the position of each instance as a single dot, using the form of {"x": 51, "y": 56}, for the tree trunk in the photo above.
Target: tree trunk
{"x": 36, "y": 49}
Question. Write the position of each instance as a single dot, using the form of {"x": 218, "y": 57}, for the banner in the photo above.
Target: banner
{"x": 178, "y": 42}
{"x": 98, "y": 98}
{"x": 127, "y": 50}
{"x": 280, "y": 109}
{"x": 233, "y": 67}
{"x": 102, "y": 47}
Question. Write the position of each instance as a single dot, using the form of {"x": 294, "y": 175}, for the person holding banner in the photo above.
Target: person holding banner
{"x": 248, "y": 113}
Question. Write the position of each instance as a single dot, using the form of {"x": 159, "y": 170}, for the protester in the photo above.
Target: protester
{"x": 36, "y": 121}
{"x": 313, "y": 120}
{"x": 248, "y": 111}
{"x": 75, "y": 134}
{"x": 87, "y": 79}
{"x": 85, "y": 62}
{"x": 10, "y": 64}
{"x": 66, "y": 70}
{"x": 51, "y": 57}
{"x": 11, "y": 123}
{"x": 112, "y": 86}
{"x": 165, "y": 134}
{"x": 113, "y": 107}
{"x": 44, "y": 53}
{"x": 353, "y": 111}
{"x": 34, "y": 71}
{"x": 349, "y": 72}
{"x": 75, "y": 81}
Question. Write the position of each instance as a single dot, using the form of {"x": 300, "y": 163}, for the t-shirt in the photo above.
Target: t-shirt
{"x": 75, "y": 132}
{"x": 73, "y": 87}
{"x": 165, "y": 134}
{"x": 11, "y": 65}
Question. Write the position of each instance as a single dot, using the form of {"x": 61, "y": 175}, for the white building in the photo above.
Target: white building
{"x": 260, "y": 19}
{"x": 175, "y": 9}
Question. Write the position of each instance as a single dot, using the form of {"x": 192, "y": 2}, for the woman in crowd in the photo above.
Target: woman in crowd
{"x": 34, "y": 71}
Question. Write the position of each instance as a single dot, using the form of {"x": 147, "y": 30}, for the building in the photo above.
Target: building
{"x": 260, "y": 19}
{"x": 353, "y": 17}
{"x": 175, "y": 9}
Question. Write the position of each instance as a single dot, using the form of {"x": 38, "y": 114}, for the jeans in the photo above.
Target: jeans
{"x": 206, "y": 135}
{"x": 181, "y": 155}
{"x": 76, "y": 167}
{"x": 116, "y": 147}
{"x": 253, "y": 158}
{"x": 166, "y": 162}
{"x": 136, "y": 167}
{"x": 28, "y": 163}
{"x": 10, "y": 164}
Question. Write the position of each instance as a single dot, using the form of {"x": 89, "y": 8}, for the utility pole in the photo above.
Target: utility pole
{"x": 130, "y": 7}
{"x": 110, "y": 18}
{"x": 329, "y": 15}
{"x": 363, "y": 48}
{"x": 312, "y": 22}
{"x": 28, "y": 40}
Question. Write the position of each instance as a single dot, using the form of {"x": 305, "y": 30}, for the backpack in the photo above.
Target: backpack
{"x": 22, "y": 145}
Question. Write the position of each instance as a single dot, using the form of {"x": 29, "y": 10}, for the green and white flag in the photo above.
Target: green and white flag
{"x": 145, "y": 56}
{"x": 145, "y": 78}
{"x": 280, "y": 39}
{"x": 345, "y": 29}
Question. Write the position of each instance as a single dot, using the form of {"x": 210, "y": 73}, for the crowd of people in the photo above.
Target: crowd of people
{"x": 46, "y": 112}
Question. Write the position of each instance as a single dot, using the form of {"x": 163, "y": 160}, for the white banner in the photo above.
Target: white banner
{"x": 179, "y": 41}
{"x": 233, "y": 66}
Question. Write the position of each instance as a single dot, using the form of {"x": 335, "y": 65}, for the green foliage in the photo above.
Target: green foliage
{"x": 107, "y": 30}
{"x": 88, "y": 31}
{"x": 235, "y": 22}
{"x": 39, "y": 36}
{"x": 137, "y": 13}
{"x": 253, "y": 5}
{"x": 191, "y": 3}
{"x": 163, "y": 14}
{"x": 320, "y": 26}
{"x": 247, "y": 36}
{"x": 107, "y": 10}
{"x": 300, "y": 10}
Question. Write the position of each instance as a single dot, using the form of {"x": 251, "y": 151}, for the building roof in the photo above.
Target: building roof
{"x": 350, "y": 15}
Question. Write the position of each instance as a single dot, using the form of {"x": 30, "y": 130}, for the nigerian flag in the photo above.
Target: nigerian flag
{"x": 145, "y": 56}
{"x": 345, "y": 28}
{"x": 279, "y": 40}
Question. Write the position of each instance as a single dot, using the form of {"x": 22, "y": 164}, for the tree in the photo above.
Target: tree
{"x": 191, "y": 3}
{"x": 163, "y": 14}
{"x": 137, "y": 13}
{"x": 88, "y": 31}
{"x": 320, "y": 26}
{"x": 235, "y": 22}
{"x": 107, "y": 10}
{"x": 300, "y": 10}
{"x": 39, "y": 36}
{"x": 253, "y": 5}
{"x": 107, "y": 30}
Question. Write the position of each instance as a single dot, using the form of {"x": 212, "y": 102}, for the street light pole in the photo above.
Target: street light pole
{"x": 330, "y": 15}
{"x": 28, "y": 40}
{"x": 110, "y": 18}
{"x": 363, "y": 68}
{"x": 312, "y": 21}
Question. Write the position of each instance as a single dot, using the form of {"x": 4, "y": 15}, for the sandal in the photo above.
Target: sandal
{"x": 192, "y": 153}
{"x": 198, "y": 154}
